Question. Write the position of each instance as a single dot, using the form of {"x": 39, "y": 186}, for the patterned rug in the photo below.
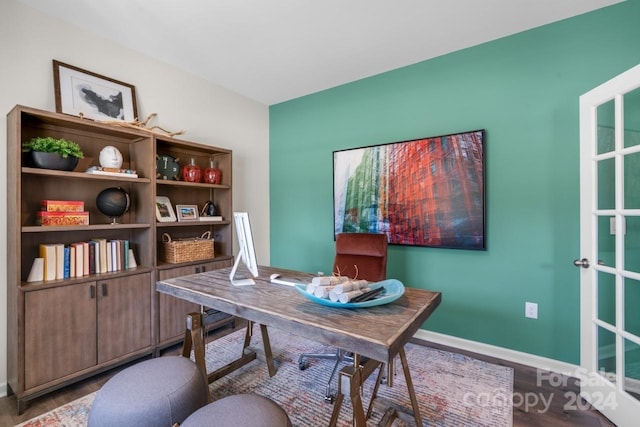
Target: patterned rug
{"x": 451, "y": 389}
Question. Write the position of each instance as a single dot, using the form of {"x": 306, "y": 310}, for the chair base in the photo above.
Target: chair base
{"x": 339, "y": 356}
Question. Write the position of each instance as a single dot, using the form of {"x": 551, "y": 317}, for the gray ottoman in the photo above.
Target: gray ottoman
{"x": 155, "y": 393}
{"x": 246, "y": 410}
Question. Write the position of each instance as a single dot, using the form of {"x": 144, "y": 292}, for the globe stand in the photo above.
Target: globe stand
{"x": 114, "y": 220}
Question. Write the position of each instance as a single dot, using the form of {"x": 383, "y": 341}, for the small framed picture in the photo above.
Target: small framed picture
{"x": 187, "y": 212}
{"x": 164, "y": 210}
{"x": 85, "y": 94}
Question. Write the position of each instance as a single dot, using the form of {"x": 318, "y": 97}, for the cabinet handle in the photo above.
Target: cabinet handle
{"x": 103, "y": 287}
{"x": 92, "y": 292}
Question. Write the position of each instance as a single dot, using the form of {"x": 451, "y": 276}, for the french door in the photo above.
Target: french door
{"x": 610, "y": 247}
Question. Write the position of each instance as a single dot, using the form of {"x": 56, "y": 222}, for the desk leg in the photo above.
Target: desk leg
{"x": 352, "y": 378}
{"x": 267, "y": 350}
{"x": 349, "y": 377}
{"x": 265, "y": 343}
{"x": 248, "y": 333}
{"x": 412, "y": 393}
{"x": 193, "y": 339}
{"x": 336, "y": 407}
{"x": 375, "y": 389}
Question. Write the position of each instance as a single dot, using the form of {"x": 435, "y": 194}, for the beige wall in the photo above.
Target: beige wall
{"x": 208, "y": 113}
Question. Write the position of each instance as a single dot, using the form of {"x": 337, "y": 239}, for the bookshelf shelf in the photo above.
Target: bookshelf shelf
{"x": 191, "y": 224}
{"x": 76, "y": 228}
{"x": 167, "y": 182}
{"x": 30, "y": 286}
{"x": 81, "y": 175}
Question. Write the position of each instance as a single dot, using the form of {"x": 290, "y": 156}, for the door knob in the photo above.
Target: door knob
{"x": 584, "y": 263}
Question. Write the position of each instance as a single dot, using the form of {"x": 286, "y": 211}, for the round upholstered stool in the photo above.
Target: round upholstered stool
{"x": 246, "y": 410}
{"x": 155, "y": 393}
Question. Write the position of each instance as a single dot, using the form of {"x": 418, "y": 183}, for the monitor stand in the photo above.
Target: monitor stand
{"x": 239, "y": 282}
{"x": 243, "y": 282}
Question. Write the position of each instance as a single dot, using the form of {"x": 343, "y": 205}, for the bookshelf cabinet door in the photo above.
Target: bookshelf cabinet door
{"x": 60, "y": 332}
{"x": 214, "y": 265}
{"x": 124, "y": 316}
{"x": 173, "y": 311}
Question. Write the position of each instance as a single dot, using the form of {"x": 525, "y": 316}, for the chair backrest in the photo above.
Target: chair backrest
{"x": 367, "y": 251}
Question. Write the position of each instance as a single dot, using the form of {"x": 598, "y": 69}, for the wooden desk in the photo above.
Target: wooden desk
{"x": 379, "y": 333}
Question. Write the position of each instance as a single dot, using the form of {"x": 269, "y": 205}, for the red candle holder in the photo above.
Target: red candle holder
{"x": 212, "y": 174}
{"x": 191, "y": 172}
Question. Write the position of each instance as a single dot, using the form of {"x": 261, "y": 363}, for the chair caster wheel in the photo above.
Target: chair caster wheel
{"x": 302, "y": 366}
{"x": 329, "y": 399}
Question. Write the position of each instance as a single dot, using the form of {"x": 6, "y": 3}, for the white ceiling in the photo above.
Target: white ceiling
{"x": 276, "y": 50}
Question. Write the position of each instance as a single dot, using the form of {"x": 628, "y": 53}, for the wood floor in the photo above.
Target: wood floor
{"x": 552, "y": 404}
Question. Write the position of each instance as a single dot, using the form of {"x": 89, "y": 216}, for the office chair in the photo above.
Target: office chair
{"x": 358, "y": 256}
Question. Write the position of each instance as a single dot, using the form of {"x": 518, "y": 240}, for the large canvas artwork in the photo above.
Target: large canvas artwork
{"x": 423, "y": 192}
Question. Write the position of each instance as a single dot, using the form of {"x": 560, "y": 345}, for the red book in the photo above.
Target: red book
{"x": 92, "y": 257}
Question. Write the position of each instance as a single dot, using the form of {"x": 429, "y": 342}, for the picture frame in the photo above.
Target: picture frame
{"x": 422, "y": 192}
{"x": 89, "y": 95}
{"x": 187, "y": 212}
{"x": 164, "y": 210}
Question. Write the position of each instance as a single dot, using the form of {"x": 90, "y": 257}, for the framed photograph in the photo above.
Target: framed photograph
{"x": 422, "y": 192}
{"x": 187, "y": 212}
{"x": 85, "y": 94}
{"x": 164, "y": 210}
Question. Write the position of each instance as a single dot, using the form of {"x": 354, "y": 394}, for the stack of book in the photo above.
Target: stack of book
{"x": 125, "y": 173}
{"x": 84, "y": 258}
{"x": 62, "y": 212}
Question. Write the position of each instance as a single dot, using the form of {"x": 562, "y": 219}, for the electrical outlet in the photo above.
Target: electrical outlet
{"x": 531, "y": 310}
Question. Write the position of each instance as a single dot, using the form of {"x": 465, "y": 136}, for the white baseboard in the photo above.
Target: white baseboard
{"x": 3, "y": 389}
{"x": 532, "y": 360}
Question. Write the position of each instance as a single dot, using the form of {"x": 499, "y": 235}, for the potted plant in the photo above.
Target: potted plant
{"x": 53, "y": 153}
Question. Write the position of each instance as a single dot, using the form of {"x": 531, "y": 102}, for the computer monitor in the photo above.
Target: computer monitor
{"x": 246, "y": 252}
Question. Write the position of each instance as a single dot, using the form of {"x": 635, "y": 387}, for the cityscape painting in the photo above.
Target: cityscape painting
{"x": 423, "y": 192}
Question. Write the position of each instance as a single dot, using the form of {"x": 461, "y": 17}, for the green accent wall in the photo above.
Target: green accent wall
{"x": 524, "y": 91}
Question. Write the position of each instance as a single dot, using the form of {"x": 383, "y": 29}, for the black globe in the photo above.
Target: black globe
{"x": 113, "y": 202}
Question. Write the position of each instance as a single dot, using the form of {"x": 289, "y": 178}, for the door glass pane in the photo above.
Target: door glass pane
{"x": 607, "y": 353}
{"x": 632, "y": 118}
{"x": 631, "y": 304}
{"x": 606, "y": 115}
{"x": 632, "y": 368}
{"x": 632, "y": 181}
{"x": 632, "y": 244}
{"x": 606, "y": 181}
{"x": 607, "y": 297}
{"x": 606, "y": 241}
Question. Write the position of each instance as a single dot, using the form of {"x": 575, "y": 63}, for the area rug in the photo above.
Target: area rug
{"x": 451, "y": 389}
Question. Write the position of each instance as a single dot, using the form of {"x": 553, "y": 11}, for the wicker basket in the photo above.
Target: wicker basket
{"x": 185, "y": 250}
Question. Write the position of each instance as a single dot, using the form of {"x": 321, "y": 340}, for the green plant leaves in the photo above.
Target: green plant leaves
{"x": 48, "y": 144}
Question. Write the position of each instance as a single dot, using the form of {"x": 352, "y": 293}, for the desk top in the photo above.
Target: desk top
{"x": 375, "y": 332}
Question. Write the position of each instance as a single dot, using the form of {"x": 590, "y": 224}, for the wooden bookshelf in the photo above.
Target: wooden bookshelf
{"x": 61, "y": 331}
